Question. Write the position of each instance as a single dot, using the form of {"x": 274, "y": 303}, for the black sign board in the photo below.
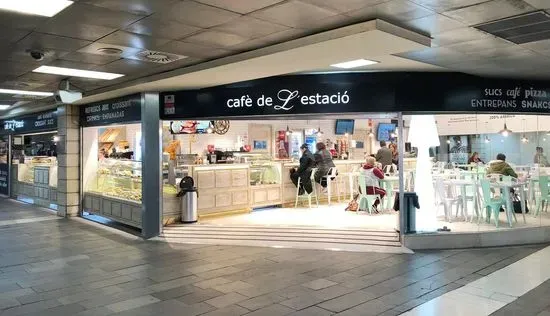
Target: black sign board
{"x": 119, "y": 110}
{"x": 4, "y": 165}
{"x": 358, "y": 93}
{"x": 4, "y": 178}
{"x": 32, "y": 123}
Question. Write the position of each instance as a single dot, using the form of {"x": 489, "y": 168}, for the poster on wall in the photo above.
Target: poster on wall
{"x": 458, "y": 149}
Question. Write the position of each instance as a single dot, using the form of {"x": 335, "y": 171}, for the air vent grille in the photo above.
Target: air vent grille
{"x": 521, "y": 29}
{"x": 157, "y": 57}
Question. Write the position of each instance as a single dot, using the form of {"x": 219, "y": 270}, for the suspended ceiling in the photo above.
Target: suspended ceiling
{"x": 207, "y": 30}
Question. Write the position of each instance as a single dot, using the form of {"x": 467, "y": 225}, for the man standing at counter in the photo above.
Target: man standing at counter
{"x": 307, "y": 162}
{"x": 384, "y": 155}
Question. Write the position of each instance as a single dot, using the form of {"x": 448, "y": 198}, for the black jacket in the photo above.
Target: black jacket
{"x": 307, "y": 161}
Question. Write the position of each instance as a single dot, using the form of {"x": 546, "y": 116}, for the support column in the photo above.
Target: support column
{"x": 68, "y": 160}
{"x": 151, "y": 131}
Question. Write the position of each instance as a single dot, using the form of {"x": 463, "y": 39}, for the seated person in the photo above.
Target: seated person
{"x": 540, "y": 158}
{"x": 500, "y": 166}
{"x": 372, "y": 175}
{"x": 323, "y": 161}
{"x": 304, "y": 171}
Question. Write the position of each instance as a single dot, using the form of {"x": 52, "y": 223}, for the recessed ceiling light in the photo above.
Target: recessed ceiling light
{"x": 47, "y": 8}
{"x": 77, "y": 73}
{"x": 354, "y": 63}
{"x": 23, "y": 92}
{"x": 4, "y": 107}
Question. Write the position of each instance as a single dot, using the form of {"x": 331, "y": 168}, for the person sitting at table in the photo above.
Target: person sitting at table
{"x": 323, "y": 162}
{"x": 474, "y": 158}
{"x": 307, "y": 161}
{"x": 500, "y": 166}
{"x": 540, "y": 158}
{"x": 372, "y": 175}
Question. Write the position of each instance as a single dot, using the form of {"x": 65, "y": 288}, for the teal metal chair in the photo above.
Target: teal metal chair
{"x": 544, "y": 197}
{"x": 366, "y": 200}
{"x": 490, "y": 204}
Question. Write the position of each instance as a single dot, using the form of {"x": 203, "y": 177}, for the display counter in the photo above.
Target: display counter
{"x": 115, "y": 191}
{"x": 35, "y": 181}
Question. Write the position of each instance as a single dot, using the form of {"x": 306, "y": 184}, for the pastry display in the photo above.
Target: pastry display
{"x": 119, "y": 179}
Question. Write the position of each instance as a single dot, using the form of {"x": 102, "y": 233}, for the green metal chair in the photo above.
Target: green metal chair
{"x": 366, "y": 200}
{"x": 544, "y": 197}
{"x": 490, "y": 204}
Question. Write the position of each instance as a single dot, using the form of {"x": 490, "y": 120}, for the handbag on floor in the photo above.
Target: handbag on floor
{"x": 353, "y": 206}
{"x": 517, "y": 205}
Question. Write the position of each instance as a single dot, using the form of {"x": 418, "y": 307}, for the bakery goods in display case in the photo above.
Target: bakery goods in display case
{"x": 118, "y": 179}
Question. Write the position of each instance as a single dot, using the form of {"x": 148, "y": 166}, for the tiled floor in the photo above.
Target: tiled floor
{"x": 334, "y": 216}
{"x": 71, "y": 267}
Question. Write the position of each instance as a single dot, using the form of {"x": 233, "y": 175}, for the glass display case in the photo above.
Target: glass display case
{"x": 41, "y": 170}
{"x": 120, "y": 179}
{"x": 265, "y": 172}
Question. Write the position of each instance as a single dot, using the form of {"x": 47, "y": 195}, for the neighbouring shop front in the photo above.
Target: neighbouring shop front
{"x": 262, "y": 112}
{"x": 28, "y": 158}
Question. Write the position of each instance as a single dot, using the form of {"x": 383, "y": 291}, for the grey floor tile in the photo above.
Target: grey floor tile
{"x": 319, "y": 284}
{"x": 312, "y": 311}
{"x": 226, "y": 300}
{"x": 231, "y": 310}
{"x": 272, "y": 310}
{"x": 262, "y": 301}
{"x": 31, "y": 308}
{"x": 199, "y": 296}
{"x": 347, "y": 301}
{"x": 132, "y": 303}
{"x": 175, "y": 292}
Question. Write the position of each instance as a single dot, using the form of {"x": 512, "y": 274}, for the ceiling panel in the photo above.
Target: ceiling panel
{"x": 271, "y": 39}
{"x": 194, "y": 50}
{"x": 38, "y": 77}
{"x": 457, "y": 36}
{"x": 80, "y": 31}
{"x": 480, "y": 45}
{"x": 343, "y": 6}
{"x": 215, "y": 39}
{"x": 440, "y": 56}
{"x": 539, "y": 4}
{"x": 46, "y": 41}
{"x": 162, "y": 28}
{"x": 394, "y": 10}
{"x": 124, "y": 66}
{"x": 139, "y": 7}
{"x": 446, "y": 5}
{"x": 9, "y": 36}
{"x": 434, "y": 23}
{"x": 13, "y": 68}
{"x": 489, "y": 11}
{"x": 128, "y": 39}
{"x": 94, "y": 15}
{"x": 294, "y": 14}
{"x": 20, "y": 21}
{"x": 90, "y": 58}
{"x": 196, "y": 14}
{"x": 241, "y": 6}
{"x": 71, "y": 64}
{"x": 503, "y": 52}
{"x": 249, "y": 27}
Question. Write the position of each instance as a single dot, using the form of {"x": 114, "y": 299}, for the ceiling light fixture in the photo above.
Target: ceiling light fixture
{"x": 47, "y": 8}
{"x": 354, "y": 63}
{"x": 505, "y": 131}
{"x": 77, "y": 72}
{"x": 23, "y": 92}
{"x": 487, "y": 139}
{"x": 4, "y": 107}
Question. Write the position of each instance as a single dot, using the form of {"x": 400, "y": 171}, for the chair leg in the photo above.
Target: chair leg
{"x": 496, "y": 215}
{"x": 329, "y": 189}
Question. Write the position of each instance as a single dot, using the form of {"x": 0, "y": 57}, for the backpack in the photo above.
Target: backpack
{"x": 353, "y": 206}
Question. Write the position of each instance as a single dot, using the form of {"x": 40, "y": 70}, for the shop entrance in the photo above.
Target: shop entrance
{"x": 242, "y": 169}
{"x": 34, "y": 169}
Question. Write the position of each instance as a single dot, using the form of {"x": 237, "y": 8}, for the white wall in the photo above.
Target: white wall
{"x": 240, "y": 128}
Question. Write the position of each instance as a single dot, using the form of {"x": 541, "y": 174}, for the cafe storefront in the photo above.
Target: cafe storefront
{"x": 28, "y": 158}
{"x": 433, "y": 156}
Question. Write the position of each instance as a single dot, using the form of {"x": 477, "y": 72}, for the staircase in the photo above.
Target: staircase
{"x": 353, "y": 239}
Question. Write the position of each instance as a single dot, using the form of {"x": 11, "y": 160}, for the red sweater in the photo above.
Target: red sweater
{"x": 377, "y": 172}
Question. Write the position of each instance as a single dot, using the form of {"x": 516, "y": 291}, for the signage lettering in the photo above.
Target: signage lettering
{"x": 30, "y": 123}
{"x": 288, "y": 99}
{"x": 120, "y": 110}
{"x": 359, "y": 93}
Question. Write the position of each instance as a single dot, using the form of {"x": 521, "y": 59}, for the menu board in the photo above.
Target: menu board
{"x": 190, "y": 127}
